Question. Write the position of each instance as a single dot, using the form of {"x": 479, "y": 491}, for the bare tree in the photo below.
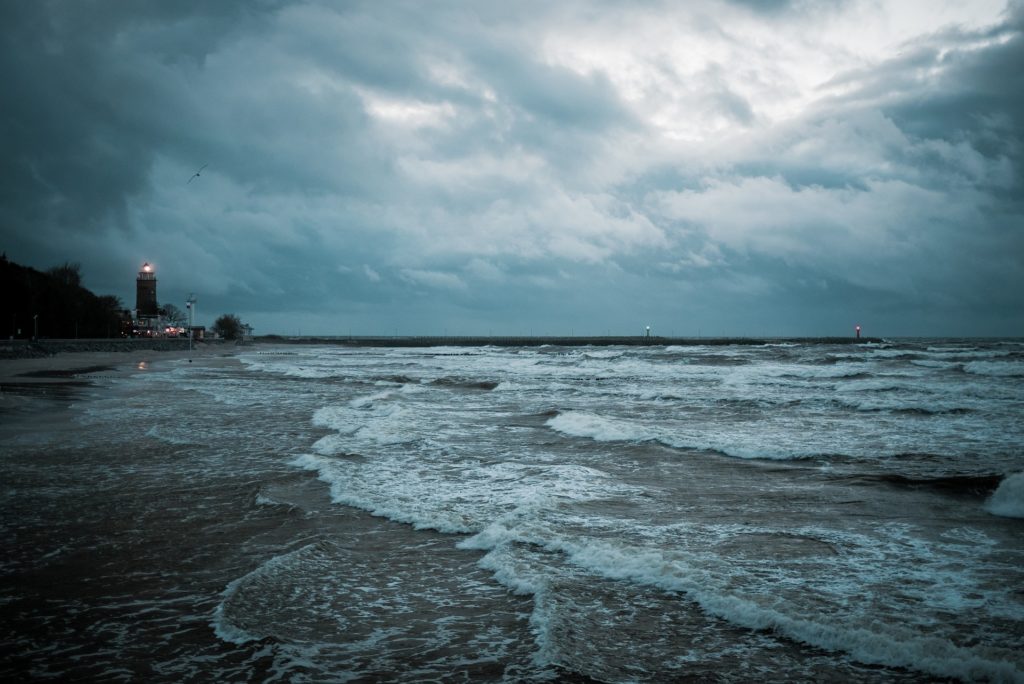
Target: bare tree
{"x": 173, "y": 314}
{"x": 228, "y": 326}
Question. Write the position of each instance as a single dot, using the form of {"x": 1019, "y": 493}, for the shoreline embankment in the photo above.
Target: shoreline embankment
{"x": 28, "y": 349}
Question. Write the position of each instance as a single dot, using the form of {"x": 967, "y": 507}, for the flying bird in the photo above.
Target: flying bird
{"x": 196, "y": 174}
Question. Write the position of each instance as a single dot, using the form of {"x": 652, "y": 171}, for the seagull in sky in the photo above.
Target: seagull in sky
{"x": 196, "y": 174}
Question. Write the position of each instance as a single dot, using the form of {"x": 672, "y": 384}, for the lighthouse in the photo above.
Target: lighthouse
{"x": 145, "y": 292}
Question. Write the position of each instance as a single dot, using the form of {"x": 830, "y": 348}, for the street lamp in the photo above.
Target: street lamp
{"x": 190, "y": 304}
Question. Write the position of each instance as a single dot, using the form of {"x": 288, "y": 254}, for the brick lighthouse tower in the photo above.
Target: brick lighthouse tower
{"x": 145, "y": 292}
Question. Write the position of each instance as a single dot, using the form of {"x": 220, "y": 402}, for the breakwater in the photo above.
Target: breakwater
{"x": 21, "y": 349}
{"x": 602, "y": 341}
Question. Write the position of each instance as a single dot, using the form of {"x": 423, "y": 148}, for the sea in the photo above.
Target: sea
{"x": 702, "y": 513}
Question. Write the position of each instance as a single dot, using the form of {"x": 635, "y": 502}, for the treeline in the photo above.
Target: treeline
{"x": 54, "y": 304}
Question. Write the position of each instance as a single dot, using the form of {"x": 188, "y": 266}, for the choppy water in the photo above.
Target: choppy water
{"x": 801, "y": 512}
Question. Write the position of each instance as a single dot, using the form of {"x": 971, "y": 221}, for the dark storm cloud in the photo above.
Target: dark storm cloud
{"x": 779, "y": 6}
{"x": 977, "y": 92}
{"x": 82, "y": 121}
{"x": 905, "y": 187}
{"x": 430, "y": 162}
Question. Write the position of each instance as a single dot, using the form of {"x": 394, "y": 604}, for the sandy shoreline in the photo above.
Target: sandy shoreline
{"x": 75, "y": 367}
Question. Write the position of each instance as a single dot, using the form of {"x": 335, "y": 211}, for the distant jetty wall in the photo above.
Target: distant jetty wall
{"x": 19, "y": 349}
{"x": 605, "y": 341}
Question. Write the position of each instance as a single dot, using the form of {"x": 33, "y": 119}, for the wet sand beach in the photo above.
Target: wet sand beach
{"x": 83, "y": 366}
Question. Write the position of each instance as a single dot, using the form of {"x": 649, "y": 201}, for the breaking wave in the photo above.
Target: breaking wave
{"x": 1008, "y": 499}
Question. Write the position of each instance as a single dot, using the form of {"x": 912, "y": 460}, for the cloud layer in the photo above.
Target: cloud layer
{"x": 580, "y": 167}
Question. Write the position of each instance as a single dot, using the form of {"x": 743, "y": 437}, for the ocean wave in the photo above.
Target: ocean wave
{"x": 924, "y": 411}
{"x": 887, "y": 382}
{"x": 937, "y": 364}
{"x": 893, "y": 405}
{"x": 465, "y": 383}
{"x": 229, "y": 621}
{"x": 375, "y": 419}
{"x": 457, "y": 499}
{"x": 598, "y": 428}
{"x": 587, "y": 425}
{"x": 366, "y": 400}
{"x": 304, "y": 368}
{"x": 264, "y": 499}
{"x": 161, "y": 434}
{"x": 878, "y": 642}
{"x": 827, "y": 373}
{"x": 882, "y": 645}
{"x": 393, "y": 380}
{"x": 658, "y": 396}
{"x": 956, "y": 485}
{"x": 854, "y": 375}
{"x": 1008, "y": 499}
{"x": 894, "y": 354}
{"x": 1001, "y": 369}
{"x": 719, "y": 360}
{"x": 602, "y": 355}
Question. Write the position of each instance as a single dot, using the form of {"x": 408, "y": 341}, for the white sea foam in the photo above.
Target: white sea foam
{"x": 424, "y": 487}
{"x": 599, "y": 428}
{"x": 892, "y": 644}
{"x": 602, "y": 354}
{"x": 367, "y": 420}
{"x": 370, "y": 399}
{"x": 293, "y": 366}
{"x": 223, "y": 622}
{"x": 1008, "y": 499}
{"x": 782, "y": 445}
{"x": 887, "y": 352}
{"x": 264, "y": 500}
{"x": 163, "y": 435}
{"x": 935, "y": 364}
{"x": 837, "y": 371}
{"x": 898, "y": 402}
{"x": 1005, "y": 369}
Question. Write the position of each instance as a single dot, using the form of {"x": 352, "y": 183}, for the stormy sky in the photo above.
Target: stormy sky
{"x": 547, "y": 168}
